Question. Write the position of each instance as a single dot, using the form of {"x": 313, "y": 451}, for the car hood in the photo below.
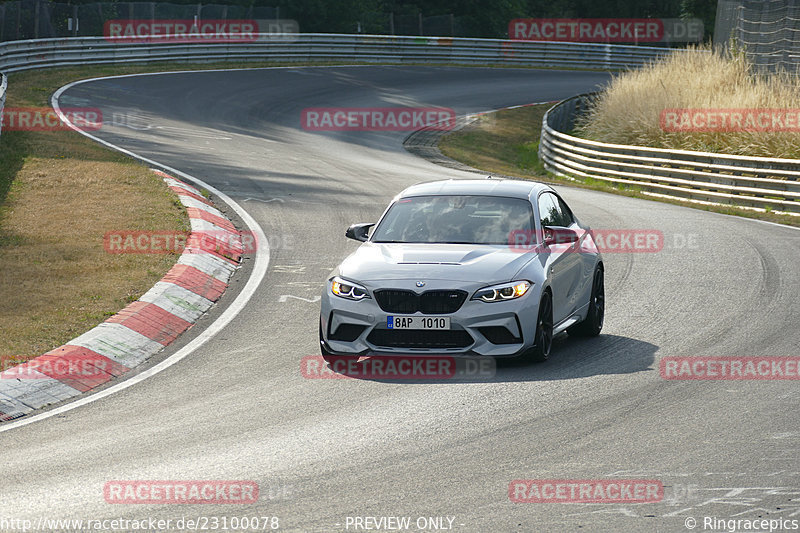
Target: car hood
{"x": 453, "y": 262}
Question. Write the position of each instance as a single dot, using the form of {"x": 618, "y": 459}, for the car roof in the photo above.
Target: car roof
{"x": 481, "y": 187}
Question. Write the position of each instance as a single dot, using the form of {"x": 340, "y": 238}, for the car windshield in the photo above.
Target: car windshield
{"x": 454, "y": 219}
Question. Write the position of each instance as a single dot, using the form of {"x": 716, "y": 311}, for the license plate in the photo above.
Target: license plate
{"x": 418, "y": 322}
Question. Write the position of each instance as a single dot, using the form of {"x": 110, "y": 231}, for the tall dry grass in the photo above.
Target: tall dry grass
{"x": 628, "y": 110}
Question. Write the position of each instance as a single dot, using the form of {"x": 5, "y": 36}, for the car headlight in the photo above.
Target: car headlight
{"x": 348, "y": 289}
{"x": 503, "y": 292}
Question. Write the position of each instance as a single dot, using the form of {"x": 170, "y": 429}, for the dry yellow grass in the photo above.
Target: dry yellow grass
{"x": 59, "y": 194}
{"x": 64, "y": 193}
{"x": 628, "y": 110}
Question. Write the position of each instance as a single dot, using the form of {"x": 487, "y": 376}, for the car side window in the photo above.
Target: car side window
{"x": 549, "y": 213}
{"x": 567, "y": 218}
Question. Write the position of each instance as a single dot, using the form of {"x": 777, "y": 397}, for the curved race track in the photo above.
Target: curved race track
{"x": 322, "y": 450}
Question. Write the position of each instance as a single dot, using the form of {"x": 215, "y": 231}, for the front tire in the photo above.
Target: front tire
{"x": 593, "y": 323}
{"x": 544, "y": 332}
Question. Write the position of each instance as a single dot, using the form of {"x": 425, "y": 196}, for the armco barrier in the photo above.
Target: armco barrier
{"x": 21, "y": 55}
{"x": 750, "y": 182}
{"x": 714, "y": 178}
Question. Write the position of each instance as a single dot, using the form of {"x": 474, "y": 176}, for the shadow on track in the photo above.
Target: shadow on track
{"x": 571, "y": 358}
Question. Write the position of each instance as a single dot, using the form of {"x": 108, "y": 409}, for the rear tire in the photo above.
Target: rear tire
{"x": 593, "y": 323}
{"x": 540, "y": 352}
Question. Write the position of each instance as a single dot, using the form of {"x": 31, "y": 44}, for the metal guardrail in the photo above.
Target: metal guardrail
{"x": 750, "y": 182}
{"x": 715, "y": 178}
{"x": 21, "y": 55}
{"x": 3, "y": 87}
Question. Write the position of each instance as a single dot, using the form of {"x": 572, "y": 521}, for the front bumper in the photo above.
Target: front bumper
{"x": 497, "y": 329}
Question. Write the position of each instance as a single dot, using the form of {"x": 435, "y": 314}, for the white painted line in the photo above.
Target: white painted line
{"x": 260, "y": 264}
{"x": 285, "y": 297}
{"x": 277, "y": 199}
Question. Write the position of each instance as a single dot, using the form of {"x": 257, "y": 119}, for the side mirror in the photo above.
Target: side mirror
{"x": 358, "y": 232}
{"x": 559, "y": 235}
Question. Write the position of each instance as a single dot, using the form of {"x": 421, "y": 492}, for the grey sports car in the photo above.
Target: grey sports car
{"x": 490, "y": 267}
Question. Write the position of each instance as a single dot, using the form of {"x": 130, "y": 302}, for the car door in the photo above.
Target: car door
{"x": 562, "y": 265}
{"x": 576, "y": 270}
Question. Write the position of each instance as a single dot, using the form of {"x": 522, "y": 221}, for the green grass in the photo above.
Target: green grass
{"x": 506, "y": 142}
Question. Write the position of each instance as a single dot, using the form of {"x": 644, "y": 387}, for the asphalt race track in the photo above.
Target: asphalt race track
{"x": 321, "y": 451}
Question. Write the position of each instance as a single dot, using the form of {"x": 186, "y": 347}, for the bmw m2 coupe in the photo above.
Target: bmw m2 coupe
{"x": 465, "y": 267}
